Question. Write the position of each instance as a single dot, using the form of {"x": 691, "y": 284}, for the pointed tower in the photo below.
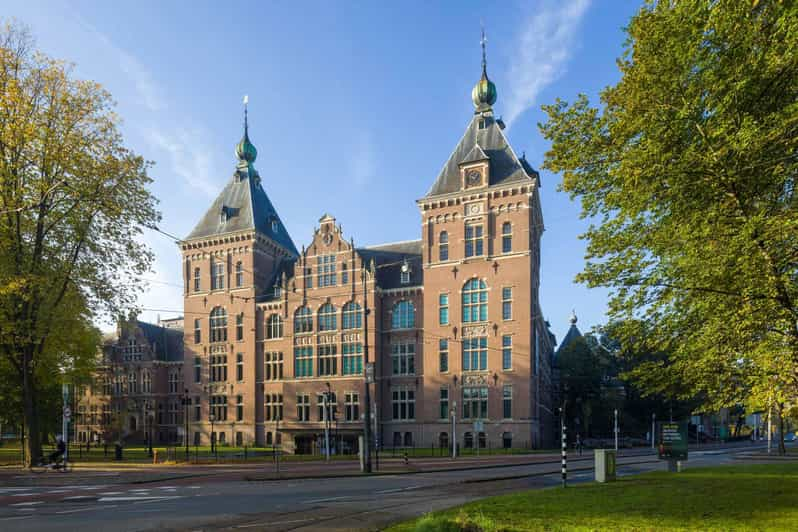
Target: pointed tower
{"x": 481, "y": 227}
{"x": 229, "y": 259}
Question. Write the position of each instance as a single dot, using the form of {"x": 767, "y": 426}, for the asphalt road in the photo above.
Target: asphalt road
{"x": 222, "y": 502}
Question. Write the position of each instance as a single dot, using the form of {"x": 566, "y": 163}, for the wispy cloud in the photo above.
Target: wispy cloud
{"x": 542, "y": 52}
{"x": 189, "y": 157}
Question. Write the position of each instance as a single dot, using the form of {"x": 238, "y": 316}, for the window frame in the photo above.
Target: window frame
{"x": 403, "y": 315}
{"x": 443, "y": 246}
{"x": 474, "y": 240}
{"x": 474, "y": 301}
{"x": 507, "y": 237}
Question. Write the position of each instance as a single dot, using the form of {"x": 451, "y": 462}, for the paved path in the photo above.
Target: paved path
{"x": 223, "y": 500}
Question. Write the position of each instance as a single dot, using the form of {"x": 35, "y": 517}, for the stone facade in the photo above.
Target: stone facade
{"x": 275, "y": 340}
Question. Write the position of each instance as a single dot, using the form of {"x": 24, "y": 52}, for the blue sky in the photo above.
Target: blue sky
{"x": 349, "y": 101}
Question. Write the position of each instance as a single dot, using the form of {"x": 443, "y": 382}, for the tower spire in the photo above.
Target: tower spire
{"x": 245, "y": 151}
{"x": 484, "y": 41}
{"x": 484, "y": 93}
{"x": 246, "y": 102}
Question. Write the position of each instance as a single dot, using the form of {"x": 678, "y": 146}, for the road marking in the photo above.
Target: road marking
{"x": 138, "y": 498}
{"x": 23, "y": 494}
{"x": 111, "y": 493}
{"x": 80, "y": 498}
{"x": 28, "y": 503}
{"x": 13, "y": 489}
{"x": 400, "y": 489}
{"x": 326, "y": 500}
{"x": 16, "y": 517}
{"x": 272, "y": 523}
{"x": 194, "y": 487}
{"x": 87, "y": 509}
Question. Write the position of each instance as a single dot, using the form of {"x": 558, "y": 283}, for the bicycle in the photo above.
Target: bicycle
{"x": 58, "y": 465}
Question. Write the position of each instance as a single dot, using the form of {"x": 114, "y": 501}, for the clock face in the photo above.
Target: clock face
{"x": 327, "y": 238}
{"x": 473, "y": 177}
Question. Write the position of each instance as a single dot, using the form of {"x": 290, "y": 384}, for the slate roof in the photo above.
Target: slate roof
{"x": 389, "y": 259}
{"x": 505, "y": 166}
{"x": 573, "y": 334}
{"x": 168, "y": 342}
{"x": 247, "y": 207}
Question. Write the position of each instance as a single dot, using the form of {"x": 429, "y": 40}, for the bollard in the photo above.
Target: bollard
{"x": 155, "y": 456}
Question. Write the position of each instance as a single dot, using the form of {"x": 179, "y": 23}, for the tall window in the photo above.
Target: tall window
{"x": 219, "y": 407}
{"x": 507, "y": 303}
{"x": 475, "y": 354}
{"x": 239, "y": 367}
{"x": 303, "y": 407}
{"x": 474, "y": 246}
{"x": 507, "y": 237}
{"x": 239, "y": 273}
{"x": 274, "y": 327}
{"x": 197, "y": 369}
{"x": 443, "y": 246}
{"x": 197, "y": 280}
{"x": 146, "y": 382}
{"x": 444, "y": 403}
{"x": 351, "y": 317}
{"x": 240, "y": 327}
{"x": 274, "y": 407}
{"x": 403, "y": 402}
{"x": 404, "y": 315}
{"x": 443, "y": 309}
{"x": 507, "y": 352}
{"x": 507, "y": 401}
{"x": 303, "y": 361}
{"x": 475, "y": 301}
{"x": 475, "y": 403}
{"x": 403, "y": 357}
{"x": 326, "y": 270}
{"x": 218, "y": 325}
{"x": 239, "y": 408}
{"x": 327, "y": 321}
{"x": 219, "y": 368}
{"x": 173, "y": 379}
{"x": 344, "y": 273}
{"x": 332, "y": 406}
{"x": 273, "y": 366}
{"x": 303, "y": 320}
{"x": 351, "y": 406}
{"x": 443, "y": 355}
{"x": 328, "y": 359}
{"x": 197, "y": 409}
{"x": 309, "y": 277}
{"x": 197, "y": 330}
{"x": 217, "y": 275}
{"x": 133, "y": 383}
{"x": 352, "y": 359}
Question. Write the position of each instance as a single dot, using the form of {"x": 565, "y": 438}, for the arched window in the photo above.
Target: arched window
{"x": 404, "y": 315}
{"x": 507, "y": 237}
{"x": 327, "y": 318}
{"x": 351, "y": 318}
{"x": 443, "y": 246}
{"x": 475, "y": 301}
{"x": 197, "y": 280}
{"x": 218, "y": 324}
{"x": 274, "y": 327}
{"x": 239, "y": 273}
{"x": 303, "y": 320}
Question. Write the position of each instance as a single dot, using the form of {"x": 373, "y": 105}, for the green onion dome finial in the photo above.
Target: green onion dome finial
{"x": 245, "y": 150}
{"x": 484, "y": 92}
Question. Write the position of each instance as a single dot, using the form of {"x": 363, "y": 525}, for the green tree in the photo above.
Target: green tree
{"x": 73, "y": 200}
{"x": 688, "y": 170}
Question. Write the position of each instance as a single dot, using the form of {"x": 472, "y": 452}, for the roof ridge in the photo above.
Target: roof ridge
{"x": 392, "y": 243}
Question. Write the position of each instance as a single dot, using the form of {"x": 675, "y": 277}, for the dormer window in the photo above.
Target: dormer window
{"x": 223, "y": 215}
{"x": 405, "y": 275}
{"x": 275, "y": 227}
{"x": 277, "y": 290}
{"x": 482, "y": 123}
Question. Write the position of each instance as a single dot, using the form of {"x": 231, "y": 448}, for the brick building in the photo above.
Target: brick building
{"x": 275, "y": 336}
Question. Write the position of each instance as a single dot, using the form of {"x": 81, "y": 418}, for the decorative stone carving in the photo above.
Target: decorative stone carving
{"x": 471, "y": 331}
{"x": 474, "y": 380}
{"x": 473, "y": 209}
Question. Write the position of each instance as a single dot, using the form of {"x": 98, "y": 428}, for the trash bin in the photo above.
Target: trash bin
{"x": 604, "y": 463}
{"x": 117, "y": 452}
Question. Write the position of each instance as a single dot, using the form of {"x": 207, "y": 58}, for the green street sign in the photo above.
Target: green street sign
{"x": 672, "y": 440}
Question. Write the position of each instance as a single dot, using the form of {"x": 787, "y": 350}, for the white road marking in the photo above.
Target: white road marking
{"x": 271, "y": 523}
{"x": 408, "y": 488}
{"x": 15, "y": 517}
{"x": 79, "y": 498}
{"x": 28, "y": 503}
{"x": 87, "y": 509}
{"x": 13, "y": 489}
{"x": 23, "y": 494}
{"x": 326, "y": 500}
{"x": 138, "y": 498}
{"x": 194, "y": 487}
{"x": 111, "y": 493}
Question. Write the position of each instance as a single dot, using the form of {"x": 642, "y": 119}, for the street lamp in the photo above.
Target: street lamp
{"x": 212, "y": 418}
{"x": 186, "y": 401}
{"x": 326, "y": 406}
{"x": 616, "y": 430}
{"x": 148, "y": 421}
{"x": 454, "y": 429}
{"x": 653, "y": 428}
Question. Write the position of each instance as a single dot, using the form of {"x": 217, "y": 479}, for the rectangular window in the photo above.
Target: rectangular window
{"x": 303, "y": 361}
{"x": 475, "y": 403}
{"x": 239, "y": 367}
{"x": 332, "y": 406}
{"x": 344, "y": 274}
{"x": 328, "y": 360}
{"x": 352, "y": 406}
{"x": 239, "y": 274}
{"x": 197, "y": 369}
{"x": 352, "y": 359}
{"x": 218, "y": 368}
{"x": 444, "y": 403}
{"x": 443, "y": 246}
{"x": 326, "y": 270}
{"x": 197, "y": 331}
{"x": 443, "y": 355}
{"x": 239, "y": 408}
{"x": 219, "y": 407}
{"x": 303, "y": 407}
{"x": 473, "y": 240}
{"x": 507, "y": 352}
{"x": 403, "y": 402}
{"x": 404, "y": 277}
{"x": 403, "y": 358}
{"x": 197, "y": 409}
{"x": 475, "y": 354}
{"x": 309, "y": 277}
{"x": 240, "y": 327}
{"x": 507, "y": 401}
{"x": 443, "y": 309}
{"x": 273, "y": 369}
{"x": 507, "y": 237}
{"x": 507, "y": 303}
{"x": 197, "y": 280}
{"x": 274, "y": 407}
{"x": 217, "y": 276}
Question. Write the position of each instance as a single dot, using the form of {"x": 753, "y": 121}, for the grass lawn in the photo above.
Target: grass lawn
{"x": 745, "y": 497}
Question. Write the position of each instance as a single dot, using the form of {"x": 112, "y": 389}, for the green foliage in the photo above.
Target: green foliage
{"x": 688, "y": 172}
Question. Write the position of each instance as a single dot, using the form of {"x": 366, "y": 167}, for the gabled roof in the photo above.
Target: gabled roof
{"x": 476, "y": 154}
{"x": 168, "y": 342}
{"x": 505, "y": 166}
{"x": 246, "y": 207}
{"x": 389, "y": 260}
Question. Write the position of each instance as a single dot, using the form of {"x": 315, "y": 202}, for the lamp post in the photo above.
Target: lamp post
{"x": 616, "y": 430}
{"x": 325, "y": 405}
{"x": 454, "y": 429}
{"x": 212, "y": 418}
{"x": 653, "y": 429}
{"x": 148, "y": 427}
{"x": 186, "y": 401}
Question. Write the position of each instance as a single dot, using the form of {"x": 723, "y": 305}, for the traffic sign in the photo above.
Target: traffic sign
{"x": 369, "y": 372}
{"x": 67, "y": 412}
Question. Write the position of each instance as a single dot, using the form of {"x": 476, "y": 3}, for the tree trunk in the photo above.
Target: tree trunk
{"x": 782, "y": 448}
{"x": 33, "y": 447}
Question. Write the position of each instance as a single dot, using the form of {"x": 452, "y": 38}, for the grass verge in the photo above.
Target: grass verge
{"x": 743, "y": 497}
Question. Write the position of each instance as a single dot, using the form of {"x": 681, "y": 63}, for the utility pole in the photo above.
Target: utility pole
{"x": 454, "y": 429}
{"x": 325, "y": 405}
{"x": 616, "y": 430}
{"x": 367, "y": 374}
{"x": 653, "y": 428}
{"x": 564, "y": 444}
